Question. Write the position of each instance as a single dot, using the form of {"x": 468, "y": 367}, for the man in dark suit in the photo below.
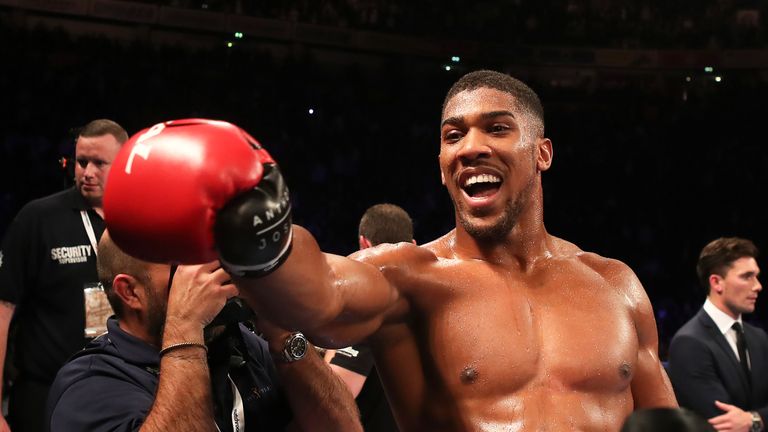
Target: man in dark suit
{"x": 718, "y": 364}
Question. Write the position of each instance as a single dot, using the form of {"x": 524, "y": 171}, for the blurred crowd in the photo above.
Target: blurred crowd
{"x": 596, "y": 23}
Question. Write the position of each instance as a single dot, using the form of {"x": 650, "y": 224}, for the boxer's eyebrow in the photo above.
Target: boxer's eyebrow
{"x": 455, "y": 121}
{"x": 459, "y": 120}
{"x": 500, "y": 113}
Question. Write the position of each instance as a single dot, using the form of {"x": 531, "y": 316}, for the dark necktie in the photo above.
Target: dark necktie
{"x": 741, "y": 345}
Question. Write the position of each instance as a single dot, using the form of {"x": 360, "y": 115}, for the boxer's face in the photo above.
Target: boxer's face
{"x": 488, "y": 161}
{"x": 94, "y": 156}
{"x": 740, "y": 286}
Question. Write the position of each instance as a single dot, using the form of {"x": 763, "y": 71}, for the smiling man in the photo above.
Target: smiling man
{"x": 717, "y": 362}
{"x": 497, "y": 325}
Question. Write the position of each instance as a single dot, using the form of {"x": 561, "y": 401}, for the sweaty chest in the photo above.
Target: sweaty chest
{"x": 507, "y": 334}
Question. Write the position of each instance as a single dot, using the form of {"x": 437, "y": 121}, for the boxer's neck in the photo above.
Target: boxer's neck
{"x": 522, "y": 247}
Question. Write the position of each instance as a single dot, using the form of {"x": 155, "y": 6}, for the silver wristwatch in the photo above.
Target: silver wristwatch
{"x": 757, "y": 422}
{"x": 295, "y": 348}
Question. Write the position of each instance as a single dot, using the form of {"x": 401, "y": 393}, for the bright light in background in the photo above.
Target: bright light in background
{"x": 455, "y": 59}
{"x": 708, "y": 69}
{"x": 230, "y": 44}
{"x": 238, "y": 35}
{"x": 687, "y": 79}
{"x": 718, "y": 78}
{"x": 311, "y": 111}
{"x": 447, "y": 68}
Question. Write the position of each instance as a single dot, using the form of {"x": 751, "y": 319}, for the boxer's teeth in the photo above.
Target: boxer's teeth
{"x": 482, "y": 178}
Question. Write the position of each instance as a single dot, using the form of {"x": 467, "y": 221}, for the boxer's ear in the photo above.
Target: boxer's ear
{"x": 544, "y": 153}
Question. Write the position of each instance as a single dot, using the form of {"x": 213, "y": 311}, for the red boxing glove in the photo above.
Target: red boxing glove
{"x": 192, "y": 191}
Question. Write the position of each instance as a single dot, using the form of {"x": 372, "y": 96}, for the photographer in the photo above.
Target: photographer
{"x": 152, "y": 370}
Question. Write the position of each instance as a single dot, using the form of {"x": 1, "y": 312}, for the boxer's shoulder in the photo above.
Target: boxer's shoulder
{"x": 608, "y": 268}
{"x": 395, "y": 255}
{"x": 598, "y": 263}
{"x": 616, "y": 275}
{"x": 613, "y": 272}
{"x": 443, "y": 247}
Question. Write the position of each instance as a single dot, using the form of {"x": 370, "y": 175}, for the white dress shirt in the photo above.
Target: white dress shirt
{"x": 724, "y": 323}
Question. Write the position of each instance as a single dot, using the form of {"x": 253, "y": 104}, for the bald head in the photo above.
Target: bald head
{"x": 112, "y": 261}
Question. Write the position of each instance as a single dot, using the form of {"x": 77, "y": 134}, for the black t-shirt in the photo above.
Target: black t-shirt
{"x": 46, "y": 259}
{"x": 375, "y": 412}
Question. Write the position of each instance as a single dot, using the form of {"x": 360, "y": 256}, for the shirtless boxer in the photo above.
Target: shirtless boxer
{"x": 497, "y": 325}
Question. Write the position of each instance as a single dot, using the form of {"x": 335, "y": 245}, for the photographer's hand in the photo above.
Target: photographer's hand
{"x": 196, "y": 296}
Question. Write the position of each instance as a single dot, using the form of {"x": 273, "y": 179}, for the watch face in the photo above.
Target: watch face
{"x": 296, "y": 347}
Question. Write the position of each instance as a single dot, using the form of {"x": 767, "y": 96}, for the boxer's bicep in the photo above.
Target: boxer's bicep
{"x": 650, "y": 384}
{"x": 334, "y": 300}
{"x": 363, "y": 300}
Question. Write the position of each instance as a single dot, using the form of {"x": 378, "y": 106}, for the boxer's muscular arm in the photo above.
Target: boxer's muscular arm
{"x": 650, "y": 385}
{"x": 334, "y": 300}
{"x": 194, "y": 190}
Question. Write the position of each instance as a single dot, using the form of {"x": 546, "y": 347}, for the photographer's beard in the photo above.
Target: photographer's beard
{"x": 156, "y": 310}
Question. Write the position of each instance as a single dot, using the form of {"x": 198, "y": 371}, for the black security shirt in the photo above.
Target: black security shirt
{"x": 46, "y": 260}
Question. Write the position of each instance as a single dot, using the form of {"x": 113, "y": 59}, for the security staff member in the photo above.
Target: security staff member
{"x": 48, "y": 261}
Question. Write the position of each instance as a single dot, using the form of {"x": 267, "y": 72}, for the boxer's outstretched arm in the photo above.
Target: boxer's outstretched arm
{"x": 335, "y": 300}
{"x": 194, "y": 190}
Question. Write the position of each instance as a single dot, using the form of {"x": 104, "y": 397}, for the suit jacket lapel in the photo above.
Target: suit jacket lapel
{"x": 719, "y": 338}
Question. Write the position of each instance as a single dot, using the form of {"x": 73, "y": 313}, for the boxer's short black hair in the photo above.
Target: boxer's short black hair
{"x": 526, "y": 98}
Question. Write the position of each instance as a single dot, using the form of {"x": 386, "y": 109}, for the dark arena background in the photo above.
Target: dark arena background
{"x": 657, "y": 110}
